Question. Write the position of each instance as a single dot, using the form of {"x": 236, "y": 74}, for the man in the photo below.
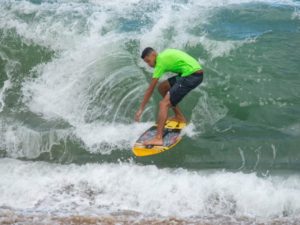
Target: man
{"x": 190, "y": 75}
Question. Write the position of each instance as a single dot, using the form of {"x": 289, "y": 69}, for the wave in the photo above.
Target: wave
{"x": 98, "y": 189}
{"x": 85, "y": 79}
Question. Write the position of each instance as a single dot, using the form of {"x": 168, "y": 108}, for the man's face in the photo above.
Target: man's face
{"x": 150, "y": 59}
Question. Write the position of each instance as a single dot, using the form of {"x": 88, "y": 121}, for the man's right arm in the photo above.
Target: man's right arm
{"x": 146, "y": 98}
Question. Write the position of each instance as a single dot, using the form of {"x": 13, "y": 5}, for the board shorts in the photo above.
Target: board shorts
{"x": 181, "y": 86}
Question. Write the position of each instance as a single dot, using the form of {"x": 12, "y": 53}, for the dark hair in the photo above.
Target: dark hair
{"x": 147, "y": 52}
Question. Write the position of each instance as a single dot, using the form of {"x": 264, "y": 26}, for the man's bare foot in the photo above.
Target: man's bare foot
{"x": 154, "y": 141}
{"x": 177, "y": 119}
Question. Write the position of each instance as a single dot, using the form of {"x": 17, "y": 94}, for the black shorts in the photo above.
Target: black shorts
{"x": 181, "y": 86}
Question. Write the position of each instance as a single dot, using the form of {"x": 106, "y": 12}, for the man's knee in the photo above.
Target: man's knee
{"x": 163, "y": 87}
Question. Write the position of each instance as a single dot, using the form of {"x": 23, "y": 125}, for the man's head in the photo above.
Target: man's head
{"x": 149, "y": 56}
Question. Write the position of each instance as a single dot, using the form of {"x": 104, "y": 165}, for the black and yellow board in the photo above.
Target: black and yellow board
{"x": 171, "y": 138}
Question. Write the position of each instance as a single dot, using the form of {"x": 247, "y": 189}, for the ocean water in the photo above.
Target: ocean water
{"x": 71, "y": 80}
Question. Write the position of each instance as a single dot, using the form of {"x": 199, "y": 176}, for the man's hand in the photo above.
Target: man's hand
{"x": 138, "y": 115}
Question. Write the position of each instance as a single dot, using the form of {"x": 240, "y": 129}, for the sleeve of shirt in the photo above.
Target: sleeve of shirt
{"x": 158, "y": 71}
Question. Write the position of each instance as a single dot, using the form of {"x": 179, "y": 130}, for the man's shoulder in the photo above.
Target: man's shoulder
{"x": 170, "y": 51}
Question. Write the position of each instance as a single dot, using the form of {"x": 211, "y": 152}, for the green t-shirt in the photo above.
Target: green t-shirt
{"x": 176, "y": 61}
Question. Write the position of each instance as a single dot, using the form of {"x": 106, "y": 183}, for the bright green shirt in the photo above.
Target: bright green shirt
{"x": 176, "y": 61}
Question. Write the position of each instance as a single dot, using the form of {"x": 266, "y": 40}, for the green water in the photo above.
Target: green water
{"x": 244, "y": 116}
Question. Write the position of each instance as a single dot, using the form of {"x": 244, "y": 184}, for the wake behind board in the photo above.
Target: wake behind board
{"x": 171, "y": 137}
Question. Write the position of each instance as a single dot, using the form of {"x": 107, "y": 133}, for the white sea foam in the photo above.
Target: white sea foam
{"x": 93, "y": 188}
{"x": 103, "y": 138}
{"x": 6, "y": 86}
{"x": 221, "y": 48}
{"x": 80, "y": 89}
{"x": 10, "y": 66}
{"x": 296, "y": 15}
{"x": 208, "y": 111}
{"x": 21, "y": 141}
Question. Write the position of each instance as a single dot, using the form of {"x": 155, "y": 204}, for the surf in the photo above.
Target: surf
{"x": 70, "y": 83}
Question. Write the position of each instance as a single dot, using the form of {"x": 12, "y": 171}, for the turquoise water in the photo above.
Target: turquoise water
{"x": 71, "y": 80}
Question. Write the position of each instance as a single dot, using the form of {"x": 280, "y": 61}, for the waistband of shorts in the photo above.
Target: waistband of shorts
{"x": 199, "y": 72}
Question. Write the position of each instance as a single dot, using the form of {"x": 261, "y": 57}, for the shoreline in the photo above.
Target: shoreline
{"x": 10, "y": 217}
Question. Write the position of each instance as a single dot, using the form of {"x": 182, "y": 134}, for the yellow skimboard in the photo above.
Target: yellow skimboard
{"x": 171, "y": 138}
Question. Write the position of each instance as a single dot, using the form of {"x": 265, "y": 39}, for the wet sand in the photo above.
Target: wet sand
{"x": 10, "y": 217}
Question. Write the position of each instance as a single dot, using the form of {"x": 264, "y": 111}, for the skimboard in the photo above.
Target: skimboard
{"x": 171, "y": 137}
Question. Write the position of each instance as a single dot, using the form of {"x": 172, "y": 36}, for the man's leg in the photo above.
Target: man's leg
{"x": 164, "y": 106}
{"x": 178, "y": 91}
{"x": 163, "y": 88}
